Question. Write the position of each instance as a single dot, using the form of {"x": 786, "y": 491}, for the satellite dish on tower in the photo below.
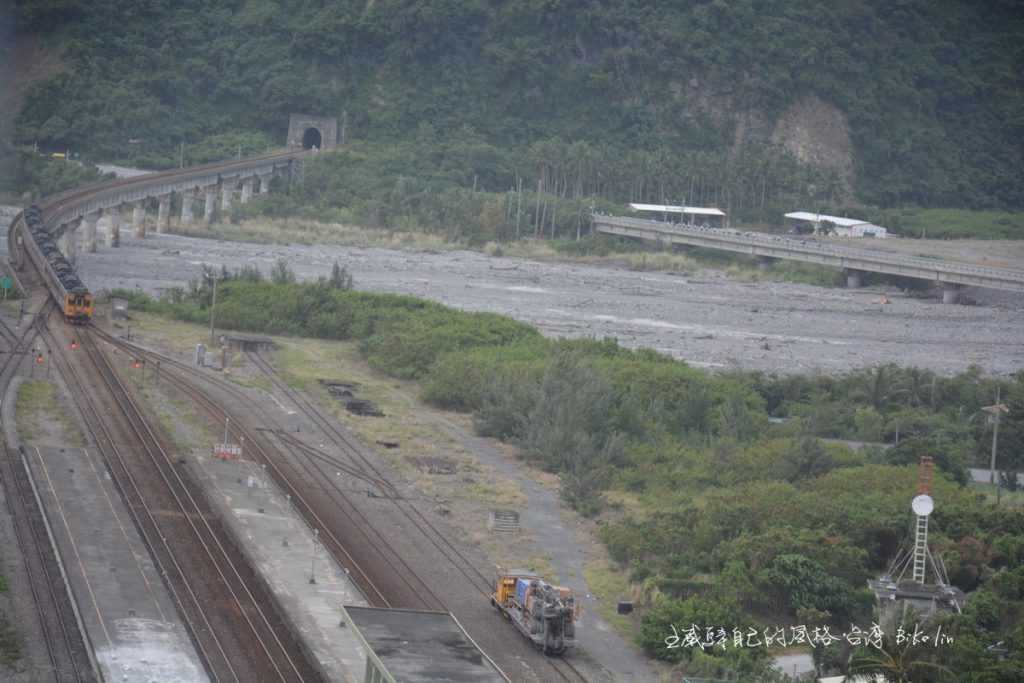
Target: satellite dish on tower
{"x": 922, "y": 505}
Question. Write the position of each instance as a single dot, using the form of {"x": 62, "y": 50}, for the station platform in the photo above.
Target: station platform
{"x": 280, "y": 544}
{"x": 132, "y": 622}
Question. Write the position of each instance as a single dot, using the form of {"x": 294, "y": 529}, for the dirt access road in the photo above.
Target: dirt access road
{"x": 705, "y": 318}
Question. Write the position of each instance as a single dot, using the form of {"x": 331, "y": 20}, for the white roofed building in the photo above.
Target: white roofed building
{"x": 691, "y": 214}
{"x": 837, "y": 225}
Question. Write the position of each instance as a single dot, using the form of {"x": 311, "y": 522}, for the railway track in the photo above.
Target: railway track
{"x": 55, "y": 203}
{"x": 67, "y": 648}
{"x": 358, "y": 461}
{"x": 361, "y": 462}
{"x": 229, "y": 612}
{"x": 563, "y": 668}
{"x": 313, "y": 469}
{"x": 297, "y": 480}
{"x": 357, "y": 466}
{"x": 68, "y": 651}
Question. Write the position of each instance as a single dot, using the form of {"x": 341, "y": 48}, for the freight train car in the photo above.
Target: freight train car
{"x": 543, "y": 613}
{"x": 67, "y": 290}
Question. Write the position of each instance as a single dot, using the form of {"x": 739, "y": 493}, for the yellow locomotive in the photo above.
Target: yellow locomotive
{"x": 74, "y": 299}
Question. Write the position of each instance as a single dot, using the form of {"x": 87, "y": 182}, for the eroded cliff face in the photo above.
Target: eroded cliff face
{"x": 818, "y": 134}
{"x": 815, "y": 132}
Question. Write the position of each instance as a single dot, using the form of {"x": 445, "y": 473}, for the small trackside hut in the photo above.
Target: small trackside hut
{"x": 236, "y": 342}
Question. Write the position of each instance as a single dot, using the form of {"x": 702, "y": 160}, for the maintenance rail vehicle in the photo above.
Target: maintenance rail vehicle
{"x": 544, "y": 613}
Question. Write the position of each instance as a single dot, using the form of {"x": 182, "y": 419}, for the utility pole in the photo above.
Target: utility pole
{"x": 312, "y": 563}
{"x": 213, "y": 306}
{"x": 181, "y": 155}
{"x": 995, "y": 411}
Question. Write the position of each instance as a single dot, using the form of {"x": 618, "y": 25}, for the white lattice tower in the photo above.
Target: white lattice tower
{"x": 922, "y": 507}
{"x": 920, "y": 548}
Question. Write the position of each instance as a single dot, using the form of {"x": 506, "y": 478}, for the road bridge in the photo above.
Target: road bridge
{"x": 132, "y": 198}
{"x": 853, "y": 261}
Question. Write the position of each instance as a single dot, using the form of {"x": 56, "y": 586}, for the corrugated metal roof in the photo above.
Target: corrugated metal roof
{"x": 690, "y": 210}
{"x": 818, "y": 217}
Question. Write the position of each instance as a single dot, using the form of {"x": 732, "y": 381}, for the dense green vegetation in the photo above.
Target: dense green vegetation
{"x": 547, "y": 92}
{"x": 953, "y": 223}
{"x": 40, "y": 177}
{"x": 725, "y": 497}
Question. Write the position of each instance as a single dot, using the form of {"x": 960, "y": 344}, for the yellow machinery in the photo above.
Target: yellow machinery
{"x": 78, "y": 307}
{"x": 544, "y": 613}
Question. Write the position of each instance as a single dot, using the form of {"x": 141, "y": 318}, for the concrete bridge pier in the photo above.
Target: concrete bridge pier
{"x": 246, "y": 190}
{"x": 90, "y": 220}
{"x": 163, "y": 213}
{"x": 950, "y": 293}
{"x": 764, "y": 263}
{"x": 139, "y": 219}
{"x": 210, "y": 205}
{"x": 114, "y": 233}
{"x": 854, "y": 278}
{"x": 186, "y": 207}
{"x": 225, "y": 197}
{"x": 265, "y": 183}
{"x": 62, "y": 241}
{"x": 68, "y": 243}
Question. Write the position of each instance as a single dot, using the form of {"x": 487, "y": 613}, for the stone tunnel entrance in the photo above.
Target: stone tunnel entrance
{"x": 306, "y": 131}
{"x": 312, "y": 138}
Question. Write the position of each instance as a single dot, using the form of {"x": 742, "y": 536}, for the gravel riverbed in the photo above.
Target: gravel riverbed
{"x": 705, "y": 318}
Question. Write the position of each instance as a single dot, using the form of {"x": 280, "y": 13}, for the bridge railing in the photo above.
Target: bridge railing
{"x": 61, "y": 207}
{"x": 739, "y": 237}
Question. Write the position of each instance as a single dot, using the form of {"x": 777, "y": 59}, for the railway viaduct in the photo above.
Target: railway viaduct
{"x": 949, "y": 276}
{"x": 212, "y": 187}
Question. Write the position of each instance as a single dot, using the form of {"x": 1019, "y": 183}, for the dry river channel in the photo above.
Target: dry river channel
{"x": 705, "y": 318}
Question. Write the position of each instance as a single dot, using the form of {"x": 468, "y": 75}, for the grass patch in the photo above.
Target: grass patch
{"x": 300, "y": 363}
{"x": 183, "y": 416}
{"x": 503, "y": 494}
{"x": 1013, "y": 499}
{"x": 955, "y": 223}
{"x": 609, "y": 586}
{"x": 10, "y": 642}
{"x": 541, "y": 565}
{"x": 266, "y": 231}
{"x": 783, "y": 270}
{"x": 177, "y": 336}
{"x": 40, "y": 414}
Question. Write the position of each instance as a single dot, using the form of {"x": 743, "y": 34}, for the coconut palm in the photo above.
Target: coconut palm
{"x": 899, "y": 663}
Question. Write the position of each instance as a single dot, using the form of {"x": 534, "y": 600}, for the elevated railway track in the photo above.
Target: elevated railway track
{"x": 62, "y": 213}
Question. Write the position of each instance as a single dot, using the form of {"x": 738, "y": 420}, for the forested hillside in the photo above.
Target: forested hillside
{"x": 741, "y": 103}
